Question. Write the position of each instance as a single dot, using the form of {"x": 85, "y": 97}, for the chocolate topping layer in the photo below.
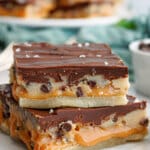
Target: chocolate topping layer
{"x": 83, "y": 115}
{"x": 38, "y": 61}
{"x": 46, "y": 119}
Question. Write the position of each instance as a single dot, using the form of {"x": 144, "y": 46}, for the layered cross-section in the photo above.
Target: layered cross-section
{"x": 78, "y": 75}
{"x": 76, "y": 128}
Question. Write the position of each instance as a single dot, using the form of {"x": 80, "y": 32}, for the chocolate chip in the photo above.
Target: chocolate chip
{"x": 143, "y": 105}
{"x": 144, "y": 122}
{"x": 77, "y": 128}
{"x": 18, "y": 128}
{"x": 60, "y": 134}
{"x": 29, "y": 133}
{"x": 46, "y": 87}
{"x": 63, "y": 88}
{"x": 7, "y": 90}
{"x": 32, "y": 145}
{"x": 6, "y": 115}
{"x": 92, "y": 84}
{"x": 66, "y": 127}
{"x": 79, "y": 92}
{"x": 28, "y": 83}
{"x": 115, "y": 119}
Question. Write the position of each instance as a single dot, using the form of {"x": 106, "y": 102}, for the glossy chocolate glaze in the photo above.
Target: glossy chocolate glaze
{"x": 37, "y": 61}
{"x": 46, "y": 118}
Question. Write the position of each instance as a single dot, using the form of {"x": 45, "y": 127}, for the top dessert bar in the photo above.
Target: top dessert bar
{"x": 89, "y": 75}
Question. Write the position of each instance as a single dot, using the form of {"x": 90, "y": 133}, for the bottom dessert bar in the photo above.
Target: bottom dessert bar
{"x": 74, "y": 128}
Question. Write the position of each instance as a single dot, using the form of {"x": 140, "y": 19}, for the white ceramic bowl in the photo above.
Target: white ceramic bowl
{"x": 141, "y": 65}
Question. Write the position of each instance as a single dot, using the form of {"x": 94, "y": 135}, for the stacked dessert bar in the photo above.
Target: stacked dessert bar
{"x": 85, "y": 8}
{"x": 70, "y": 97}
{"x": 26, "y": 8}
{"x": 88, "y": 75}
{"x": 58, "y": 8}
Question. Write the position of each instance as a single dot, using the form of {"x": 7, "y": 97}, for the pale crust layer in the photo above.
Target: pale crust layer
{"x": 84, "y": 102}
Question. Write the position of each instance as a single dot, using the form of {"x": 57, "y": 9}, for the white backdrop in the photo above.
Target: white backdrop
{"x": 139, "y": 6}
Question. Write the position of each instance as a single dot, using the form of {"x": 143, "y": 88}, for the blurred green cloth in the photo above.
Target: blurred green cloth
{"x": 118, "y": 36}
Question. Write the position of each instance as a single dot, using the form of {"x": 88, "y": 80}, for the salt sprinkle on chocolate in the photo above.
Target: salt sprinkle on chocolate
{"x": 18, "y": 50}
{"x": 51, "y": 111}
{"x": 36, "y": 56}
{"x": 106, "y": 63}
{"x": 82, "y": 56}
{"x": 98, "y": 55}
{"x": 28, "y": 44}
{"x": 27, "y": 56}
{"x": 87, "y": 44}
{"x": 79, "y": 45}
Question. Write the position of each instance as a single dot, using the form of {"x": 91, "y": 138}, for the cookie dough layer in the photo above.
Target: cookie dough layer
{"x": 89, "y": 92}
{"x": 37, "y": 9}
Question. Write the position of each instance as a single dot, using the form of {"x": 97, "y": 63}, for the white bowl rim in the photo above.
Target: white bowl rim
{"x": 133, "y": 46}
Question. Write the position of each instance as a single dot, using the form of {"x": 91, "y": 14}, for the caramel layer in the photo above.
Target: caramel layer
{"x": 107, "y": 91}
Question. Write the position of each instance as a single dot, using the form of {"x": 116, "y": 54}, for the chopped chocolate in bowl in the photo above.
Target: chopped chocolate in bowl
{"x": 144, "y": 47}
